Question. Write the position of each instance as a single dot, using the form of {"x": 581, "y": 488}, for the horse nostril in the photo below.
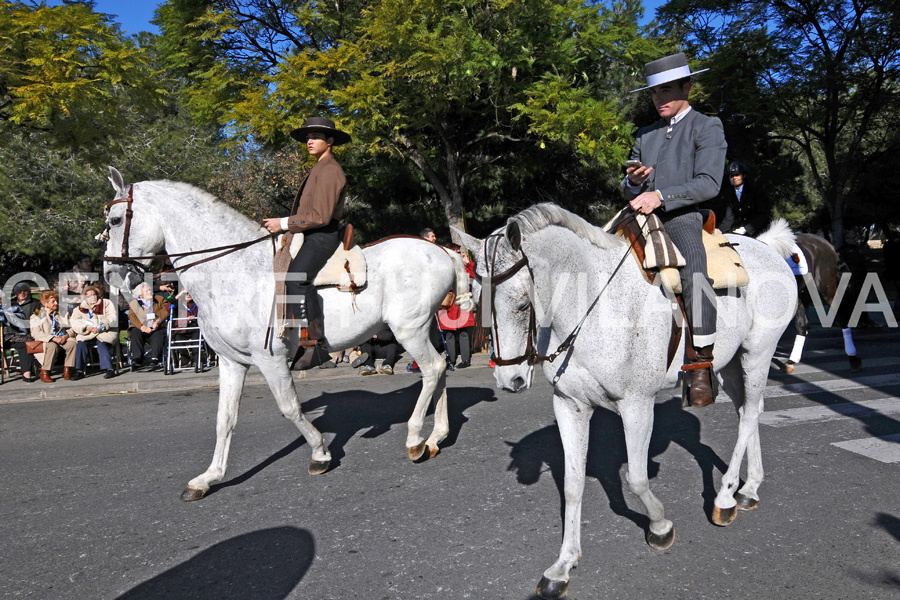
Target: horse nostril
{"x": 518, "y": 384}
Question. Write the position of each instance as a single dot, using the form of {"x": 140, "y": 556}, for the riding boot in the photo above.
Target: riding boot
{"x": 312, "y": 344}
{"x": 702, "y": 392}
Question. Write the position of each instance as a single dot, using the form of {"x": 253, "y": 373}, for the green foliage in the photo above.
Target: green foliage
{"x": 468, "y": 94}
{"x": 65, "y": 69}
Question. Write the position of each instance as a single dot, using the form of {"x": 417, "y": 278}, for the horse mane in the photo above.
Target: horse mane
{"x": 779, "y": 237}
{"x": 544, "y": 215}
{"x": 205, "y": 202}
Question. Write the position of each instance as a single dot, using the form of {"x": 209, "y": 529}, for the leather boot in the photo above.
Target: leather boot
{"x": 702, "y": 393}
{"x": 67, "y": 372}
{"x": 314, "y": 351}
{"x": 45, "y": 376}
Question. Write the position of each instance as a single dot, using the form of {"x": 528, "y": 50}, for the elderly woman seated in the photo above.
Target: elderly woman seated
{"x": 147, "y": 316}
{"x": 16, "y": 318}
{"x": 52, "y": 328}
{"x": 93, "y": 323}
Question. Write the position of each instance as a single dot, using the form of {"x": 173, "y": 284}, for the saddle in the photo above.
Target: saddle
{"x": 658, "y": 256}
{"x": 345, "y": 270}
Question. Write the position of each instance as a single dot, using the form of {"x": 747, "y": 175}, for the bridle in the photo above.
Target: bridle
{"x": 531, "y": 355}
{"x": 133, "y": 260}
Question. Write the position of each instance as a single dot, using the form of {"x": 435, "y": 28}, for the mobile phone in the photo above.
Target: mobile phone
{"x": 632, "y": 163}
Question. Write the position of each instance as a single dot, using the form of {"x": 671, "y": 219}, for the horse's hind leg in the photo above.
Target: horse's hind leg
{"x": 434, "y": 387}
{"x": 801, "y": 325}
{"x": 231, "y": 384}
{"x": 573, "y": 419}
{"x": 637, "y": 420}
{"x": 278, "y": 376}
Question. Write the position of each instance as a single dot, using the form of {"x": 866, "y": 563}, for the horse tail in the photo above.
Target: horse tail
{"x": 779, "y": 237}
{"x": 463, "y": 295}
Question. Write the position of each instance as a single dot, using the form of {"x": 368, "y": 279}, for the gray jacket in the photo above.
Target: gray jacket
{"x": 687, "y": 167}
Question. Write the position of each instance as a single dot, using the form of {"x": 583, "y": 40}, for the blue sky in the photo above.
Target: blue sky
{"x": 134, "y": 15}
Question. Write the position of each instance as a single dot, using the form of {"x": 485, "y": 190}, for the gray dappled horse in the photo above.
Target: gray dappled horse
{"x": 407, "y": 278}
{"x": 618, "y": 359}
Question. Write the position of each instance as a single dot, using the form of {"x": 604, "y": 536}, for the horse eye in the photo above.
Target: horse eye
{"x": 523, "y": 305}
{"x": 115, "y": 221}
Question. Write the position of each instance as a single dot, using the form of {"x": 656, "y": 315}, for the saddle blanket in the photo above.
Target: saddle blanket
{"x": 658, "y": 256}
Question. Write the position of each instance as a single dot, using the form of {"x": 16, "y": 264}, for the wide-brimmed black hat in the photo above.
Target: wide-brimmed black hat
{"x": 666, "y": 69}
{"x": 322, "y": 125}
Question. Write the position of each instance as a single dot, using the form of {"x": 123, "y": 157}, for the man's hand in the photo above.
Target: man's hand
{"x": 273, "y": 225}
{"x": 638, "y": 175}
{"x": 646, "y": 203}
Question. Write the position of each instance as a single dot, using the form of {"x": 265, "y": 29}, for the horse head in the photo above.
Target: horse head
{"x": 506, "y": 292}
{"x": 133, "y": 232}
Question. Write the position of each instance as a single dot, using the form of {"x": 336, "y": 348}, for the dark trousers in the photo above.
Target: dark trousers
{"x": 386, "y": 351}
{"x": 686, "y": 230}
{"x": 156, "y": 339}
{"x": 318, "y": 246}
{"x": 463, "y": 339}
{"x": 83, "y": 355}
{"x": 26, "y": 361}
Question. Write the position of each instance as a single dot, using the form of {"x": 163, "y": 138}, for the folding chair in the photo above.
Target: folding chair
{"x": 175, "y": 347}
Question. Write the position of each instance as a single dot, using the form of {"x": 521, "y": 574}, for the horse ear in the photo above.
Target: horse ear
{"x": 469, "y": 242}
{"x": 514, "y": 234}
{"x": 118, "y": 182}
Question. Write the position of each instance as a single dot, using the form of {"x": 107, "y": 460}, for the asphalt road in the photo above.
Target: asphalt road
{"x": 89, "y": 504}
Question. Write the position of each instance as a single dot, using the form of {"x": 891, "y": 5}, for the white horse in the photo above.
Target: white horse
{"x": 546, "y": 268}
{"x": 406, "y": 280}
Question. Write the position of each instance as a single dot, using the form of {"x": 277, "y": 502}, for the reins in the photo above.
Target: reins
{"x": 531, "y": 355}
{"x": 133, "y": 260}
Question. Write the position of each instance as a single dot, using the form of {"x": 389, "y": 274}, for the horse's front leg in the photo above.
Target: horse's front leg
{"x": 637, "y": 421}
{"x": 573, "y": 419}
{"x": 278, "y": 376}
{"x": 231, "y": 384}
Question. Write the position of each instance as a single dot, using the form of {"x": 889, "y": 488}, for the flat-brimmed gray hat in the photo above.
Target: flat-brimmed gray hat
{"x": 322, "y": 125}
{"x": 666, "y": 69}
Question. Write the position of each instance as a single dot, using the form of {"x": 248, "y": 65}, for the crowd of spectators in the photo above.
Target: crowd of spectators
{"x": 85, "y": 323}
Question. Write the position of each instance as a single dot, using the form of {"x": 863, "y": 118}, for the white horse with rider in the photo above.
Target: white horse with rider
{"x": 560, "y": 288}
{"x": 230, "y": 276}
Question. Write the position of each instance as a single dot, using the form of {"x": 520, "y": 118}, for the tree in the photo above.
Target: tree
{"x": 64, "y": 70}
{"x": 824, "y": 76}
{"x": 463, "y": 90}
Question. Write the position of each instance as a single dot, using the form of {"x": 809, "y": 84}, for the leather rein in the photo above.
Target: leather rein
{"x": 531, "y": 355}
{"x": 133, "y": 260}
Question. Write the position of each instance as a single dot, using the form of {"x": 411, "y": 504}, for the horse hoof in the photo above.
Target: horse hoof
{"x": 317, "y": 467}
{"x": 746, "y": 502}
{"x": 724, "y": 516}
{"x": 855, "y": 363}
{"x": 789, "y": 367}
{"x": 416, "y": 452}
{"x": 433, "y": 451}
{"x": 551, "y": 588}
{"x": 190, "y": 494}
{"x": 661, "y": 542}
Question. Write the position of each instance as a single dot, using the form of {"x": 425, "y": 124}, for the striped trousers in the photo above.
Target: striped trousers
{"x": 685, "y": 231}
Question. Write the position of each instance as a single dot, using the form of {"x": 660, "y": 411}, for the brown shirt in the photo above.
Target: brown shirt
{"x": 321, "y": 197}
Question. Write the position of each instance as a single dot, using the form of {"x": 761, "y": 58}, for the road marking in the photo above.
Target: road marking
{"x": 831, "y": 385}
{"x": 885, "y": 448}
{"x": 831, "y": 367}
{"x": 830, "y": 412}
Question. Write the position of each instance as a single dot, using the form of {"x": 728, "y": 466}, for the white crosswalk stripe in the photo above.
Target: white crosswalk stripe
{"x": 830, "y": 412}
{"x": 885, "y": 448}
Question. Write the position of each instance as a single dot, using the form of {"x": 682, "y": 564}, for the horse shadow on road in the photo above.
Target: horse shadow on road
{"x": 607, "y": 455}
{"x": 370, "y": 414}
{"x": 347, "y": 413}
{"x": 264, "y": 565}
